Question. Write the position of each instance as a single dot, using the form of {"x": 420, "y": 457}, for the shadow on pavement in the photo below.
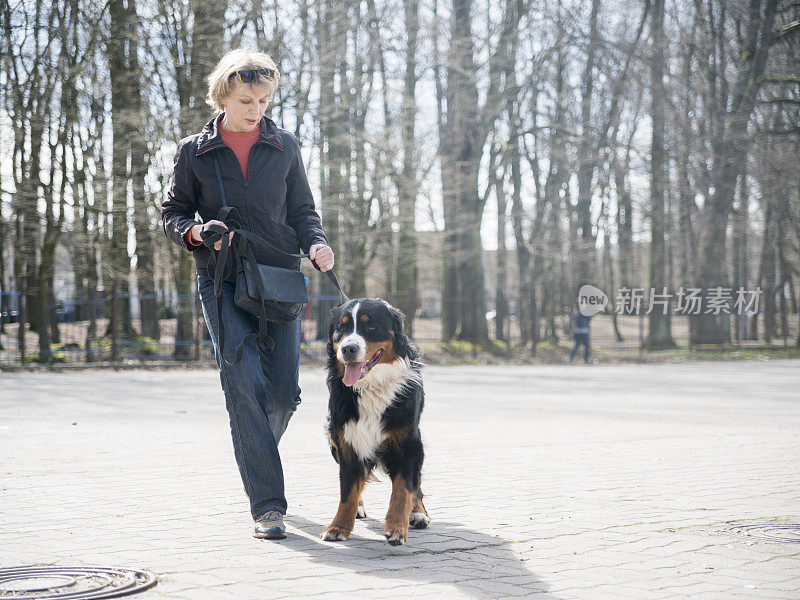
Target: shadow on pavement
{"x": 476, "y": 563}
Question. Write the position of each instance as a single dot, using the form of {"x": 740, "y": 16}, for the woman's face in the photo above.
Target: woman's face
{"x": 244, "y": 107}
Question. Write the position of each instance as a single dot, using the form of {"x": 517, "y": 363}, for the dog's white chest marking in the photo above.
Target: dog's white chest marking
{"x": 377, "y": 391}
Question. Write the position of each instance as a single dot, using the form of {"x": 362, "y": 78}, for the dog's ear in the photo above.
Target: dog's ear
{"x": 398, "y": 318}
{"x": 401, "y": 343}
{"x": 336, "y": 314}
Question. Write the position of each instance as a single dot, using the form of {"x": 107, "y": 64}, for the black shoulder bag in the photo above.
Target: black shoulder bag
{"x": 269, "y": 293}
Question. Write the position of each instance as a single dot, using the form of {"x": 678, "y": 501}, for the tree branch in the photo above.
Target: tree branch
{"x": 785, "y": 31}
{"x": 779, "y": 100}
{"x": 781, "y": 79}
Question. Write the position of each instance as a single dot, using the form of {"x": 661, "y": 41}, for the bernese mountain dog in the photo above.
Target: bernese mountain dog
{"x": 376, "y": 399}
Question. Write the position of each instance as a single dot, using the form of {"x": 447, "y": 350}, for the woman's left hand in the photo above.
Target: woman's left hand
{"x": 322, "y": 256}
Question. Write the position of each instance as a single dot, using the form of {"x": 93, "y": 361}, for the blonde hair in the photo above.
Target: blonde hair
{"x": 220, "y": 83}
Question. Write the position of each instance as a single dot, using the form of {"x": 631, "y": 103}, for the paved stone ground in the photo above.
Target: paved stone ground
{"x": 543, "y": 482}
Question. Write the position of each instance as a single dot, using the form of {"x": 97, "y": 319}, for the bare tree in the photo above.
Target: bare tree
{"x": 407, "y": 180}
{"x": 465, "y": 128}
{"x": 659, "y": 334}
{"x": 735, "y": 108}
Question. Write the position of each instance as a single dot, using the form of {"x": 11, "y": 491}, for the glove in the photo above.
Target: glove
{"x": 211, "y": 233}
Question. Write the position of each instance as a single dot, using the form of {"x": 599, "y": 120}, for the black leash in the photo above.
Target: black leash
{"x": 230, "y": 216}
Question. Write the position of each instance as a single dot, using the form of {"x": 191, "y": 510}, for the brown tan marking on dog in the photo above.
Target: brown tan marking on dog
{"x": 389, "y": 354}
{"x": 342, "y": 446}
{"x": 362, "y": 513}
{"x": 342, "y": 525}
{"x": 395, "y": 437}
{"x": 397, "y": 517}
{"x": 418, "y": 506}
{"x": 419, "y": 518}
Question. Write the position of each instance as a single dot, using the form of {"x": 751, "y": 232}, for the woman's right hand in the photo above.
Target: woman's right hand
{"x": 196, "y": 229}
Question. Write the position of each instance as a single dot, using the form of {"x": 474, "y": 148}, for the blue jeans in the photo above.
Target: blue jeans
{"x": 261, "y": 394}
{"x": 580, "y": 339}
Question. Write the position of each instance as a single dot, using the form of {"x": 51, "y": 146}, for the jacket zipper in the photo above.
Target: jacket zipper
{"x": 245, "y": 180}
{"x": 247, "y": 185}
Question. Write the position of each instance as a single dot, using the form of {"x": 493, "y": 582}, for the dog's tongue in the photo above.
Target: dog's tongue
{"x": 352, "y": 373}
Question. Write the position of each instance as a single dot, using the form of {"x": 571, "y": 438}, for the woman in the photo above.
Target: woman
{"x": 264, "y": 178}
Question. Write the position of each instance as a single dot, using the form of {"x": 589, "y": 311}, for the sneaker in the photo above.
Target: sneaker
{"x": 270, "y": 526}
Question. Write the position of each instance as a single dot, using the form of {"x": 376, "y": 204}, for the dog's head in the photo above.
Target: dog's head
{"x": 366, "y": 333}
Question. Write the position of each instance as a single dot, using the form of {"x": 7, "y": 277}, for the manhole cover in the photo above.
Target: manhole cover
{"x": 773, "y": 532}
{"x": 77, "y": 583}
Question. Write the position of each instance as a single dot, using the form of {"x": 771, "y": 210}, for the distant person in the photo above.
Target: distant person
{"x": 580, "y": 331}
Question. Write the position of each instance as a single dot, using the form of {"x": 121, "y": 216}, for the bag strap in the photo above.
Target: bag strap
{"x": 250, "y": 236}
{"x": 219, "y": 181}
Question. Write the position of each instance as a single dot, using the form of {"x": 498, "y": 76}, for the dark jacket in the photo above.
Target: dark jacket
{"x": 580, "y": 322}
{"x": 274, "y": 202}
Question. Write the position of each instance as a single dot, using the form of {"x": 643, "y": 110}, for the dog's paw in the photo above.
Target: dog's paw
{"x": 361, "y": 514}
{"x": 335, "y": 534}
{"x": 419, "y": 520}
{"x": 396, "y": 536}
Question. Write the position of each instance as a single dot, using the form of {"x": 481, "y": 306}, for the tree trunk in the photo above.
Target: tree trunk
{"x": 4, "y": 288}
{"x": 472, "y": 301}
{"x": 332, "y": 38}
{"x": 659, "y": 335}
{"x": 85, "y": 244}
{"x": 27, "y": 199}
{"x": 739, "y": 248}
{"x": 526, "y": 314}
{"x": 549, "y": 270}
{"x": 142, "y": 219}
{"x": 123, "y": 128}
{"x": 94, "y": 232}
{"x": 768, "y": 267}
{"x": 500, "y": 302}
{"x": 686, "y": 201}
{"x": 207, "y": 46}
{"x": 406, "y": 281}
{"x": 624, "y": 223}
{"x": 584, "y": 245}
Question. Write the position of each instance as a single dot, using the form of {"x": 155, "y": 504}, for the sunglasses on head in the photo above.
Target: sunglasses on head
{"x": 250, "y": 75}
